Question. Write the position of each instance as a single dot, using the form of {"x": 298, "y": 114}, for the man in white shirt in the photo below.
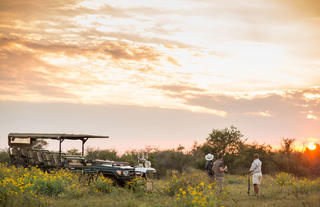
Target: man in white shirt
{"x": 255, "y": 169}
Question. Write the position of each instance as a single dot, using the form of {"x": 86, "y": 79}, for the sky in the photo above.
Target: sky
{"x": 160, "y": 73}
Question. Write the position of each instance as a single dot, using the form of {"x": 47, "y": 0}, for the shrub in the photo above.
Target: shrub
{"x": 194, "y": 191}
{"x": 178, "y": 182}
{"x": 284, "y": 179}
{"x": 49, "y": 186}
{"x": 137, "y": 184}
{"x": 102, "y": 184}
{"x": 4, "y": 156}
{"x": 200, "y": 195}
{"x": 305, "y": 186}
{"x": 31, "y": 184}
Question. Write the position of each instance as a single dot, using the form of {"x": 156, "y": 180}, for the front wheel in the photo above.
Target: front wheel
{"x": 115, "y": 181}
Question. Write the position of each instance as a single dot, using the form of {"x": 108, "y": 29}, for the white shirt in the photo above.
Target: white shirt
{"x": 256, "y": 166}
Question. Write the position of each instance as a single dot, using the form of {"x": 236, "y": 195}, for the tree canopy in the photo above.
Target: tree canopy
{"x": 40, "y": 144}
{"x": 225, "y": 140}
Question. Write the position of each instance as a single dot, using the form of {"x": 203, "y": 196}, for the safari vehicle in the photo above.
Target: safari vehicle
{"x": 22, "y": 153}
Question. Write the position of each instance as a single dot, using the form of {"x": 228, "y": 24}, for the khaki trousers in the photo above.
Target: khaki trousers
{"x": 219, "y": 181}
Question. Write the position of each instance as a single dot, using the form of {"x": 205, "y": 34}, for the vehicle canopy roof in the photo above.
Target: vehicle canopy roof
{"x": 28, "y": 139}
{"x": 57, "y": 136}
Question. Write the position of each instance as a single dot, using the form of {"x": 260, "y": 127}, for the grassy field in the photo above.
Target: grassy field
{"x": 31, "y": 187}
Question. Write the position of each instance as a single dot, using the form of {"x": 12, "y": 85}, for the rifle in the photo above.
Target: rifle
{"x": 248, "y": 184}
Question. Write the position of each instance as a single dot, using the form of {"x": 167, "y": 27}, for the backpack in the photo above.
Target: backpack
{"x": 209, "y": 168}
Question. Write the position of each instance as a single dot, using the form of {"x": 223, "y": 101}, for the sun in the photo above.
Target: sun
{"x": 311, "y": 146}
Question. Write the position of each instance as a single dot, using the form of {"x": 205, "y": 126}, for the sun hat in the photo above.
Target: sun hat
{"x": 209, "y": 157}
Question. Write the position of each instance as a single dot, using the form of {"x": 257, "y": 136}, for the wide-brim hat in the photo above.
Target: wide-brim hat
{"x": 209, "y": 157}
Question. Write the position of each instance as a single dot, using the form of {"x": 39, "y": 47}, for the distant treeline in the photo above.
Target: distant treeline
{"x": 238, "y": 155}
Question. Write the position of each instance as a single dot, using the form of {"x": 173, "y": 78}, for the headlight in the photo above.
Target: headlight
{"x": 119, "y": 172}
{"x": 125, "y": 173}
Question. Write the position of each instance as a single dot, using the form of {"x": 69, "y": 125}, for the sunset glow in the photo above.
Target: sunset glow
{"x": 253, "y": 64}
{"x": 311, "y": 146}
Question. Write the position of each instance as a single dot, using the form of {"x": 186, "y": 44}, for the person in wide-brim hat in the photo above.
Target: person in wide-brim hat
{"x": 209, "y": 157}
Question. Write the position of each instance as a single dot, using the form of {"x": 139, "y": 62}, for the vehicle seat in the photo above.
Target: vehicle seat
{"x": 48, "y": 160}
{"x": 56, "y": 159}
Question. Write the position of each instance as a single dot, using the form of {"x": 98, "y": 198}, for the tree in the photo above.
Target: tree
{"x": 242, "y": 161}
{"x": 180, "y": 148}
{"x": 102, "y": 154}
{"x": 40, "y": 144}
{"x": 225, "y": 140}
{"x": 169, "y": 160}
{"x": 73, "y": 151}
{"x": 286, "y": 144}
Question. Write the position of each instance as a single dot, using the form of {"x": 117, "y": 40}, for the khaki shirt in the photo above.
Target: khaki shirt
{"x": 256, "y": 166}
{"x": 216, "y": 166}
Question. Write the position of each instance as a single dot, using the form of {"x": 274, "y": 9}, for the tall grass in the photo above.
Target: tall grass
{"x": 32, "y": 187}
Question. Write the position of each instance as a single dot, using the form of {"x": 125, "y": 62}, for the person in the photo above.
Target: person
{"x": 255, "y": 170}
{"x": 209, "y": 157}
{"x": 219, "y": 170}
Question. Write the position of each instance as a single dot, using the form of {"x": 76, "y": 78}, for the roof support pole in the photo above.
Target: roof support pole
{"x": 60, "y": 141}
{"x": 83, "y": 141}
{"x": 60, "y": 146}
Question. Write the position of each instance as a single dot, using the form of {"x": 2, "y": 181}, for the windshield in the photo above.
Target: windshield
{"x": 20, "y": 140}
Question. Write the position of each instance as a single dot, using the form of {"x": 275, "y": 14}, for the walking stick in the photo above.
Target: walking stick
{"x": 248, "y": 184}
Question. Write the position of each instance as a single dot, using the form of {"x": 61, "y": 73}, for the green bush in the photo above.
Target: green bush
{"x": 284, "y": 179}
{"x": 101, "y": 184}
{"x": 49, "y": 187}
{"x": 137, "y": 185}
{"x": 4, "y": 156}
{"x": 180, "y": 181}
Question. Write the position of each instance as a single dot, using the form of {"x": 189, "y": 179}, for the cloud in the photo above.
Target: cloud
{"x": 58, "y": 72}
{"x": 51, "y": 91}
{"x": 173, "y": 61}
{"x": 310, "y": 116}
{"x": 115, "y": 50}
{"x": 121, "y": 50}
{"x": 291, "y": 103}
{"x": 28, "y": 11}
{"x": 35, "y": 10}
{"x": 44, "y": 71}
{"x": 137, "y": 37}
{"x": 71, "y": 20}
{"x": 145, "y": 54}
{"x": 312, "y": 94}
{"x": 23, "y": 74}
{"x": 310, "y": 8}
{"x": 178, "y": 88}
{"x": 261, "y": 113}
